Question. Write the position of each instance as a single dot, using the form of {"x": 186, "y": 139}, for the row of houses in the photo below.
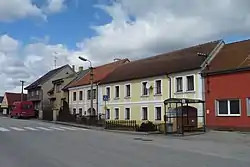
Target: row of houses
{"x": 215, "y": 73}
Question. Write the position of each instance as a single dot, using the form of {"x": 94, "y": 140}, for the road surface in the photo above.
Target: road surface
{"x": 31, "y": 143}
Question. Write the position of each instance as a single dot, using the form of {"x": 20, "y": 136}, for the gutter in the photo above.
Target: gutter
{"x": 97, "y": 100}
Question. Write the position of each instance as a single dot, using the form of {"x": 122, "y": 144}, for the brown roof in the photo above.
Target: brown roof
{"x": 13, "y": 97}
{"x": 231, "y": 57}
{"x": 100, "y": 73}
{"x": 172, "y": 62}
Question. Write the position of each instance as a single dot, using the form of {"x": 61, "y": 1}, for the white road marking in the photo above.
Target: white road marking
{"x": 56, "y": 128}
{"x": 30, "y": 128}
{"x": 68, "y": 128}
{"x": 4, "y": 129}
{"x": 17, "y": 129}
{"x": 43, "y": 128}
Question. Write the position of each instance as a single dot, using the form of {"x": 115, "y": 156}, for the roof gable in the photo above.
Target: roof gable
{"x": 172, "y": 62}
{"x": 46, "y": 77}
{"x": 13, "y": 97}
{"x": 232, "y": 56}
{"x": 99, "y": 72}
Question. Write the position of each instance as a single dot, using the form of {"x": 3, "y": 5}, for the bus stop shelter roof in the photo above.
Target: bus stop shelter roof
{"x": 182, "y": 100}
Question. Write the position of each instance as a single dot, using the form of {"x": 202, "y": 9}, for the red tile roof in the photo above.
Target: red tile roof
{"x": 172, "y": 62}
{"x": 231, "y": 57}
{"x": 13, "y": 97}
{"x": 100, "y": 73}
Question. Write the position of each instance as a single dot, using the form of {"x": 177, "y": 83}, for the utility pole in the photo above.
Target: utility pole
{"x": 91, "y": 89}
{"x": 22, "y": 90}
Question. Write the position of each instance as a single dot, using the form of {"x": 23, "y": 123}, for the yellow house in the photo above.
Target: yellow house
{"x": 137, "y": 90}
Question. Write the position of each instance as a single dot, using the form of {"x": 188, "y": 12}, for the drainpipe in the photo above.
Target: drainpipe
{"x": 170, "y": 86}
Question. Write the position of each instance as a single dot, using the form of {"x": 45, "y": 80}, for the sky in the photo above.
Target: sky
{"x": 33, "y": 33}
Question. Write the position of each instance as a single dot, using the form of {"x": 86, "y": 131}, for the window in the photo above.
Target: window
{"x": 248, "y": 106}
{"x": 116, "y": 113}
{"x": 37, "y": 92}
{"x": 94, "y": 93}
{"x": 144, "y": 113}
{"x": 190, "y": 83}
{"x": 127, "y": 90}
{"x": 32, "y": 93}
{"x": 144, "y": 89}
{"x": 158, "y": 87}
{"x": 127, "y": 113}
{"x": 80, "y": 95}
{"x": 108, "y": 114}
{"x": 74, "y": 96}
{"x": 89, "y": 94}
{"x": 179, "y": 84}
{"x": 80, "y": 111}
{"x": 117, "y": 91}
{"x": 26, "y": 106}
{"x": 58, "y": 87}
{"x": 108, "y": 91}
{"x": 228, "y": 107}
{"x": 157, "y": 113}
{"x": 74, "y": 111}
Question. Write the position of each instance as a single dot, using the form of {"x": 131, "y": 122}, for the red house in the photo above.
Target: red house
{"x": 227, "y": 88}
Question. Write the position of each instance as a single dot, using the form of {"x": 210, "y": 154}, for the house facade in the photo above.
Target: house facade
{"x": 227, "y": 81}
{"x": 138, "y": 89}
{"x": 38, "y": 90}
{"x": 80, "y": 90}
{"x": 8, "y": 100}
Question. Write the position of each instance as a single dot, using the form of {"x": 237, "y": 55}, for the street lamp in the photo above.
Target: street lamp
{"x": 91, "y": 83}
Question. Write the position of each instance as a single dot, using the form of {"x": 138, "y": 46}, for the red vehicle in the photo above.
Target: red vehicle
{"x": 22, "y": 109}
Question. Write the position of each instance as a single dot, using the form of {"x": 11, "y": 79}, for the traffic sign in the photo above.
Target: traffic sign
{"x": 105, "y": 97}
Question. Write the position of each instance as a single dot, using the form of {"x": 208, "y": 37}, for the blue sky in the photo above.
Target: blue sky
{"x": 67, "y": 27}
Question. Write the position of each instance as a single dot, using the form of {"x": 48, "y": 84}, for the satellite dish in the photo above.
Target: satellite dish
{"x": 147, "y": 85}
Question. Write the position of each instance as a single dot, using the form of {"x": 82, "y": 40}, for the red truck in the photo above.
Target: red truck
{"x": 24, "y": 109}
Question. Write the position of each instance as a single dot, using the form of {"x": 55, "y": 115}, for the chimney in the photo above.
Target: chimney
{"x": 80, "y": 68}
{"x": 73, "y": 66}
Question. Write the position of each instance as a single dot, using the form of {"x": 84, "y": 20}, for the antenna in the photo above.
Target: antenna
{"x": 55, "y": 58}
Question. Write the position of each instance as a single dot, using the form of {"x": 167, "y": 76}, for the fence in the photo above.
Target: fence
{"x": 121, "y": 125}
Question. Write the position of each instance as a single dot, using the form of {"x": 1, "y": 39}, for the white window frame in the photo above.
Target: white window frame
{"x": 175, "y": 81}
{"x": 248, "y": 106}
{"x": 186, "y": 80}
{"x": 228, "y": 106}
{"x": 125, "y": 90}
{"x": 142, "y": 113}
{"x": 155, "y": 86}
{"x": 115, "y": 108}
{"x": 155, "y": 111}
{"x": 142, "y": 89}
{"x": 115, "y": 92}
{"x": 109, "y": 91}
{"x": 125, "y": 113}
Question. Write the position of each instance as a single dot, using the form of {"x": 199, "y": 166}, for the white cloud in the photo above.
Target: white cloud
{"x": 11, "y": 10}
{"x": 141, "y": 28}
{"x": 55, "y": 6}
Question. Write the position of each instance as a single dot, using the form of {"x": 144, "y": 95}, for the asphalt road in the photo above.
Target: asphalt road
{"x": 27, "y": 143}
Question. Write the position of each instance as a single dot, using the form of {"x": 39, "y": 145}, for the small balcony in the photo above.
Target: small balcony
{"x": 34, "y": 97}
